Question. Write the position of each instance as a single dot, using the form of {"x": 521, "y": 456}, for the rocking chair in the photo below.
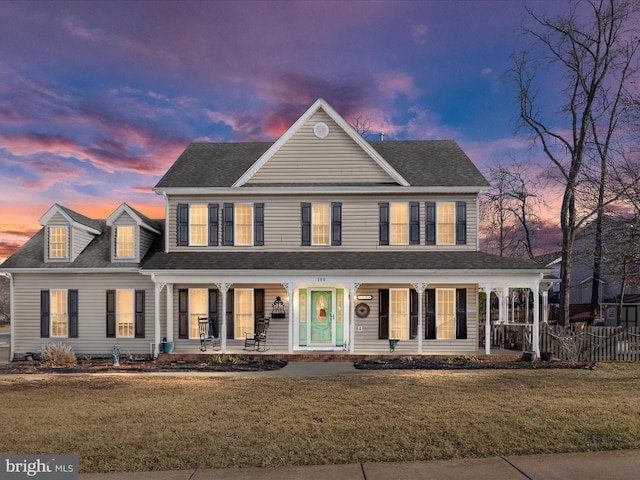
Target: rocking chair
{"x": 205, "y": 327}
{"x": 259, "y": 338}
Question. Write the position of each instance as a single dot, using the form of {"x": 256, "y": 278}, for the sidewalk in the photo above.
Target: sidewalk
{"x": 616, "y": 465}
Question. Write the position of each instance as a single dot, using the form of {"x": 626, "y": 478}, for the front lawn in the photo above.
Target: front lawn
{"x": 132, "y": 423}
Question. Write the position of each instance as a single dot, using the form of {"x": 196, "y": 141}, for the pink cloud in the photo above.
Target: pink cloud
{"x": 396, "y": 83}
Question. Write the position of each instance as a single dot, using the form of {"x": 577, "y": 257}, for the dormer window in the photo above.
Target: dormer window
{"x": 124, "y": 242}
{"x": 58, "y": 242}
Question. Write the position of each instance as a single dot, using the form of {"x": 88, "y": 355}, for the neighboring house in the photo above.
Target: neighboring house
{"x": 361, "y": 241}
{"x": 620, "y": 272}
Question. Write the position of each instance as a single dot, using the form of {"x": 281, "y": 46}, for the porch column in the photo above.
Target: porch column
{"x": 536, "y": 320}
{"x": 169, "y": 319}
{"x": 290, "y": 289}
{"x": 487, "y": 323}
{"x": 353, "y": 288}
{"x": 545, "y": 305}
{"x": 156, "y": 314}
{"x": 224, "y": 288}
{"x": 419, "y": 287}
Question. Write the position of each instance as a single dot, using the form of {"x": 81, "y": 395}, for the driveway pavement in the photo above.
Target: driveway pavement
{"x": 616, "y": 465}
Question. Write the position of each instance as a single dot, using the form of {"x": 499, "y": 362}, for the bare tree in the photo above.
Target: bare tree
{"x": 4, "y": 299}
{"x": 588, "y": 50}
{"x": 513, "y": 207}
{"x": 361, "y": 123}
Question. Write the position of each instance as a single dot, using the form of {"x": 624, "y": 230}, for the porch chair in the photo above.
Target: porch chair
{"x": 205, "y": 327}
{"x": 259, "y": 337}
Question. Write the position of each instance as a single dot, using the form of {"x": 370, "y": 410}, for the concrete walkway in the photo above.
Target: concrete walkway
{"x": 617, "y": 465}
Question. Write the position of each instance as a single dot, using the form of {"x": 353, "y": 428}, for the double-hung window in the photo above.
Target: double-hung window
{"x": 198, "y": 224}
{"x": 399, "y": 223}
{"x": 125, "y": 312}
{"x": 244, "y": 309}
{"x": 58, "y": 242}
{"x": 399, "y": 313}
{"x": 124, "y": 242}
{"x": 59, "y": 313}
{"x": 244, "y": 224}
{"x": 446, "y": 314}
{"x": 446, "y": 223}
{"x": 198, "y": 308}
{"x": 321, "y": 223}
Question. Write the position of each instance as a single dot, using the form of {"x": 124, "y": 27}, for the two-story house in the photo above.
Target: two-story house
{"x": 360, "y": 242}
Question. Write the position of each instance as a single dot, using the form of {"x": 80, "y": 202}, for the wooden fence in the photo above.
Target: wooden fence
{"x": 591, "y": 344}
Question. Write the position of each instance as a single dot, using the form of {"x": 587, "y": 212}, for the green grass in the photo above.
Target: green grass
{"x": 132, "y": 423}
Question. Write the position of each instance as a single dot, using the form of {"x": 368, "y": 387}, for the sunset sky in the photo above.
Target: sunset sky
{"x": 98, "y": 98}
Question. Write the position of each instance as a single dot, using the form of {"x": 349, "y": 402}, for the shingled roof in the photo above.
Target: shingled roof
{"x": 427, "y": 163}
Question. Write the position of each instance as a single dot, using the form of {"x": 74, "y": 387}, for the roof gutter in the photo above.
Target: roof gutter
{"x": 324, "y": 189}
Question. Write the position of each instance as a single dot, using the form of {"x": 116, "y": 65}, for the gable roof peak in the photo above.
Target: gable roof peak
{"x": 319, "y": 104}
{"x": 74, "y": 218}
{"x": 140, "y": 219}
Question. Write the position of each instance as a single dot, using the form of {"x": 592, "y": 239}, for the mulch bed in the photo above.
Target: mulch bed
{"x": 463, "y": 364}
{"x": 97, "y": 366}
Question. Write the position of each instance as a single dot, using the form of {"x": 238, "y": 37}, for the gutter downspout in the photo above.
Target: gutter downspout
{"x": 12, "y": 317}
{"x": 166, "y": 222}
{"x": 156, "y": 314}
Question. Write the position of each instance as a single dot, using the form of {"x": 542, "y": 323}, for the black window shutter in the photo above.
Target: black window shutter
{"x": 413, "y": 314}
{"x": 111, "y": 313}
{"x": 336, "y": 223}
{"x": 383, "y": 314}
{"x": 45, "y": 311}
{"x": 384, "y": 223}
{"x": 305, "y": 215}
{"x": 258, "y": 307}
{"x": 430, "y": 223}
{"x": 213, "y": 224}
{"x": 258, "y": 224}
{"x": 430, "y": 324}
{"x": 72, "y": 305}
{"x": 231, "y": 327}
{"x": 461, "y": 313}
{"x": 213, "y": 312}
{"x": 227, "y": 227}
{"x": 139, "y": 315}
{"x": 183, "y": 313}
{"x": 414, "y": 223}
{"x": 183, "y": 224}
{"x": 461, "y": 223}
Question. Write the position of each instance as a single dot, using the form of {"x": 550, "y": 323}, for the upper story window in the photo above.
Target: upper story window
{"x": 446, "y": 223}
{"x": 58, "y": 242}
{"x": 399, "y": 223}
{"x": 321, "y": 223}
{"x": 198, "y": 224}
{"x": 244, "y": 224}
{"x": 124, "y": 242}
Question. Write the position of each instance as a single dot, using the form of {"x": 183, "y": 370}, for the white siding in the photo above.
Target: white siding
{"x": 305, "y": 158}
{"x": 92, "y": 288}
{"x": 360, "y": 221}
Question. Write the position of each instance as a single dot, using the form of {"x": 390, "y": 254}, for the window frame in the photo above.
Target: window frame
{"x": 449, "y": 225}
{"x": 405, "y": 224}
{"x": 194, "y": 330}
{"x": 398, "y": 317}
{"x": 204, "y": 226}
{"x": 119, "y": 243}
{"x": 65, "y": 229}
{"x": 242, "y": 328}
{"x": 65, "y": 296}
{"x": 237, "y": 225}
{"x": 120, "y": 313}
{"x": 326, "y": 225}
{"x": 440, "y": 315}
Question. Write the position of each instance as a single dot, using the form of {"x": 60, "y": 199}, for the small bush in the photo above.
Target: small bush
{"x": 58, "y": 355}
{"x": 232, "y": 359}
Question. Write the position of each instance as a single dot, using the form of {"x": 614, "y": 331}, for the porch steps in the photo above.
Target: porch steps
{"x": 165, "y": 358}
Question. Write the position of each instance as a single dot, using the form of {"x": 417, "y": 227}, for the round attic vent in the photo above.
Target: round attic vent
{"x": 321, "y": 130}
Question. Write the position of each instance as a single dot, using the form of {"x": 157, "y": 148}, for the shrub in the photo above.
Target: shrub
{"x": 58, "y": 355}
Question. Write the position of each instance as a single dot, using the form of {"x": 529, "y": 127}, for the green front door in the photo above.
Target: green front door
{"x": 321, "y": 317}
